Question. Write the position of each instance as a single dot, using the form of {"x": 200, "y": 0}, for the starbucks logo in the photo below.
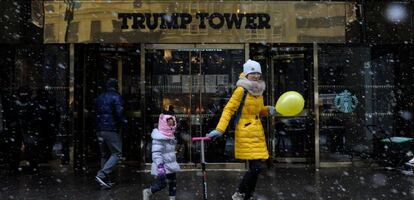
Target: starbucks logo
{"x": 345, "y": 102}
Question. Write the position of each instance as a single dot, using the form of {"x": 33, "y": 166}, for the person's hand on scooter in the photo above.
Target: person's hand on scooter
{"x": 214, "y": 134}
{"x": 161, "y": 170}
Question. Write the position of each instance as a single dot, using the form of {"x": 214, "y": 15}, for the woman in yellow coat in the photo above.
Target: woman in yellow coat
{"x": 250, "y": 141}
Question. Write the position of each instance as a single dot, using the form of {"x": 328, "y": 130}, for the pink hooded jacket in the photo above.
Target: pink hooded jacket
{"x": 163, "y": 126}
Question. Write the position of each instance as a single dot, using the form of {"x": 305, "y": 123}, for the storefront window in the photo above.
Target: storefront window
{"x": 356, "y": 101}
{"x": 42, "y": 72}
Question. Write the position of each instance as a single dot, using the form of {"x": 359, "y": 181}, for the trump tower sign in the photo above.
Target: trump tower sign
{"x": 183, "y": 20}
{"x": 195, "y": 21}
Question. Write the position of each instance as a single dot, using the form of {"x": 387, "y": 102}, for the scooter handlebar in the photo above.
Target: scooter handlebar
{"x": 200, "y": 138}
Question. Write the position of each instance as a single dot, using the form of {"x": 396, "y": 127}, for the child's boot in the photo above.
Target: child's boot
{"x": 146, "y": 194}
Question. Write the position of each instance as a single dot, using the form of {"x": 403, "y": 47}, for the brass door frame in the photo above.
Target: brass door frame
{"x": 316, "y": 104}
{"x": 120, "y": 75}
{"x": 197, "y": 47}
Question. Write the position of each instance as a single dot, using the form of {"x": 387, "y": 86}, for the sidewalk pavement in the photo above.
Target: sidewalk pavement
{"x": 277, "y": 183}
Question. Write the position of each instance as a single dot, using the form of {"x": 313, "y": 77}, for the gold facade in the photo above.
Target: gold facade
{"x": 290, "y": 22}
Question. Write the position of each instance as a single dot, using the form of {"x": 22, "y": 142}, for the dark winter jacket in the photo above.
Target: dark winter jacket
{"x": 109, "y": 111}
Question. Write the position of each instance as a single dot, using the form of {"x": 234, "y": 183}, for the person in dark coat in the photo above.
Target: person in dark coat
{"x": 26, "y": 129}
{"x": 109, "y": 118}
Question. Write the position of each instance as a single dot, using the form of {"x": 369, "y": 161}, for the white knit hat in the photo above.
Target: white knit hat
{"x": 251, "y": 66}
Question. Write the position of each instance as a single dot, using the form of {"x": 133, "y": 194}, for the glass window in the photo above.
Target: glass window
{"x": 355, "y": 94}
{"x": 43, "y": 70}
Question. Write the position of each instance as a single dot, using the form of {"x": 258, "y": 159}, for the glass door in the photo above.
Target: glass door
{"x": 293, "y": 137}
{"x": 194, "y": 81}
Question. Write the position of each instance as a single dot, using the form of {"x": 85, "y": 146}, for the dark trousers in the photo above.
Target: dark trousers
{"x": 248, "y": 183}
{"x": 162, "y": 181}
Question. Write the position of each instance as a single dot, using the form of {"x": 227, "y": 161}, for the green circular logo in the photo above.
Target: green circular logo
{"x": 345, "y": 102}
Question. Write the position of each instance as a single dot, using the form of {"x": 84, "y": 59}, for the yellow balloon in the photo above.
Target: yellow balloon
{"x": 290, "y": 104}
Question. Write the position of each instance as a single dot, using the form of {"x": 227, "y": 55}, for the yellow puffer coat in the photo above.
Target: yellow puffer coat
{"x": 250, "y": 139}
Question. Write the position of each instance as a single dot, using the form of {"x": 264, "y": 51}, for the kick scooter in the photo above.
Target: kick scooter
{"x": 203, "y": 164}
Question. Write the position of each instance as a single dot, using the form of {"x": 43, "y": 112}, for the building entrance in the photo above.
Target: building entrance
{"x": 194, "y": 81}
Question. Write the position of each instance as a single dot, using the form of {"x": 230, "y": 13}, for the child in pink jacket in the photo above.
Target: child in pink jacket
{"x": 164, "y": 162}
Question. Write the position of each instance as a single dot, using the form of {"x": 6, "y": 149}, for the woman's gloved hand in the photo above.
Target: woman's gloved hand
{"x": 272, "y": 110}
{"x": 214, "y": 134}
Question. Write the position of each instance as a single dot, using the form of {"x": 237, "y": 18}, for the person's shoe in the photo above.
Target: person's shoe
{"x": 146, "y": 194}
{"x": 172, "y": 197}
{"x": 103, "y": 182}
{"x": 237, "y": 196}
